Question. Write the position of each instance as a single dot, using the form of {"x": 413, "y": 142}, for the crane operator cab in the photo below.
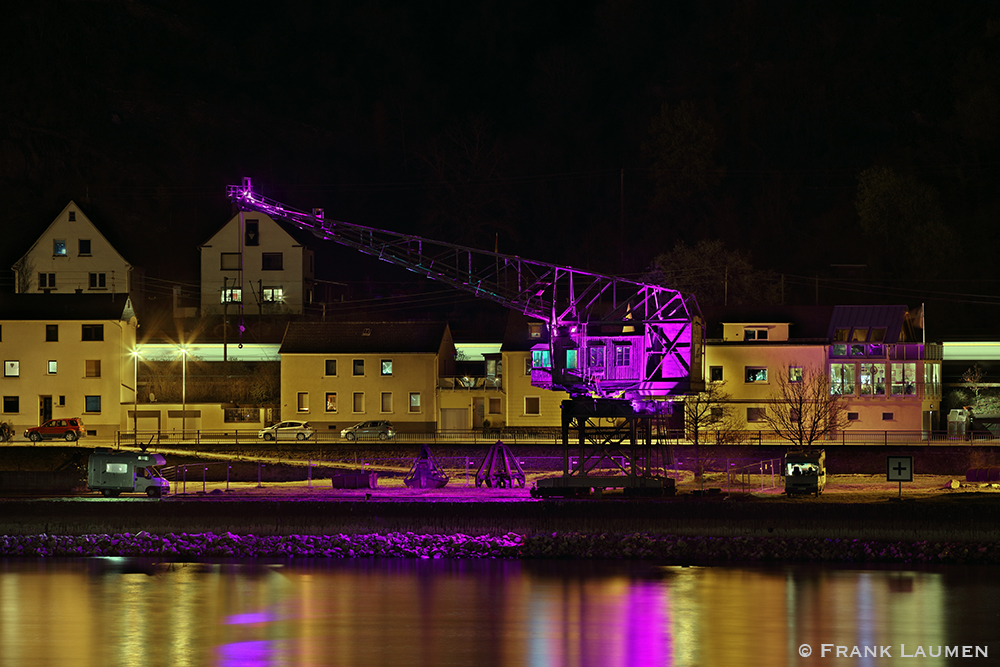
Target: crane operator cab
{"x": 805, "y": 472}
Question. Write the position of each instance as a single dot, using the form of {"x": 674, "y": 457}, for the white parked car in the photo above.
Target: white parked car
{"x": 290, "y": 430}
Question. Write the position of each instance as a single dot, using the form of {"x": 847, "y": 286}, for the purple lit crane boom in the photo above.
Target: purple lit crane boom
{"x": 609, "y": 336}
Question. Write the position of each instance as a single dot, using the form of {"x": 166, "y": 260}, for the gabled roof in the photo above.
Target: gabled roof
{"x": 86, "y": 218}
{"x": 65, "y": 307}
{"x": 869, "y": 317}
{"x": 299, "y": 236}
{"x": 363, "y": 337}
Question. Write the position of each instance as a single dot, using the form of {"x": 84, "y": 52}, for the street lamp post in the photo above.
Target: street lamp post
{"x": 135, "y": 396}
{"x": 184, "y": 365}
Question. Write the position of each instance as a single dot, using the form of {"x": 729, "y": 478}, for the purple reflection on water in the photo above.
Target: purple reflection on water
{"x": 647, "y": 625}
{"x": 249, "y": 618}
{"x": 247, "y": 654}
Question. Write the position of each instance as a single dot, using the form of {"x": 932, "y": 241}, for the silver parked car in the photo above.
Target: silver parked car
{"x": 379, "y": 429}
{"x": 289, "y": 430}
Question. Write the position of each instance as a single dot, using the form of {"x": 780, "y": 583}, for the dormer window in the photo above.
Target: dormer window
{"x": 840, "y": 335}
{"x": 755, "y": 334}
{"x": 859, "y": 335}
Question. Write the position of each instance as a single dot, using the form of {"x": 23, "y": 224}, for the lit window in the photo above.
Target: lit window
{"x": 541, "y": 359}
{"x": 386, "y": 401}
{"x": 93, "y": 368}
{"x": 52, "y": 367}
{"x": 273, "y": 294}
{"x": 359, "y": 367}
{"x": 232, "y": 295}
{"x": 92, "y": 403}
{"x": 302, "y": 401}
{"x": 904, "y": 379}
{"x": 331, "y": 401}
{"x": 754, "y": 374}
{"x": 528, "y": 362}
{"x": 571, "y": 360}
{"x": 859, "y": 335}
{"x": 11, "y": 369}
{"x": 841, "y": 379}
{"x": 840, "y": 335}
{"x": 595, "y": 356}
{"x": 387, "y": 367}
{"x": 532, "y": 405}
{"x": 623, "y": 354}
{"x": 59, "y": 247}
{"x": 415, "y": 401}
{"x": 331, "y": 366}
{"x": 873, "y": 379}
{"x": 795, "y": 374}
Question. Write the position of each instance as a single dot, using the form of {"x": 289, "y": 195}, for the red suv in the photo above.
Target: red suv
{"x": 71, "y": 429}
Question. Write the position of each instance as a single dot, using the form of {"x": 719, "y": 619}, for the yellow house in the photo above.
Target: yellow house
{"x": 67, "y": 356}
{"x": 70, "y": 256}
{"x": 334, "y": 375}
{"x": 874, "y": 356}
{"x": 255, "y": 264}
{"x": 527, "y": 405}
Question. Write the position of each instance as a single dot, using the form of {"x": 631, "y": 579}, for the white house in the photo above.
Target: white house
{"x": 254, "y": 264}
{"x": 72, "y": 256}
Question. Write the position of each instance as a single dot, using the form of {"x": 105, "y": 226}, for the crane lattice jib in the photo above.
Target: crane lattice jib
{"x": 556, "y": 294}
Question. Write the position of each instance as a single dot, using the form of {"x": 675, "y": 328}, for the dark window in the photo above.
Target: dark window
{"x": 46, "y": 280}
{"x": 84, "y": 246}
{"x": 271, "y": 261}
{"x": 251, "y": 233}
{"x": 93, "y": 332}
{"x": 93, "y": 368}
{"x": 715, "y": 373}
{"x": 98, "y": 280}
{"x": 92, "y": 403}
{"x": 331, "y": 366}
{"x": 755, "y": 414}
{"x": 359, "y": 366}
{"x": 623, "y": 354}
{"x": 887, "y": 416}
{"x": 72, "y": 216}
{"x": 11, "y": 403}
{"x": 231, "y": 261}
{"x": 532, "y": 405}
{"x": 51, "y": 332}
{"x": 853, "y": 416}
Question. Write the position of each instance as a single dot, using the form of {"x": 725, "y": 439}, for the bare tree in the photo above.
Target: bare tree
{"x": 973, "y": 377}
{"x": 712, "y": 410}
{"x": 24, "y": 271}
{"x": 802, "y": 410}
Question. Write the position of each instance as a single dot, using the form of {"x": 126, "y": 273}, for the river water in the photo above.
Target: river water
{"x": 100, "y": 612}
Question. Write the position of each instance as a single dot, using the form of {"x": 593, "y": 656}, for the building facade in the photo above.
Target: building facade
{"x": 72, "y": 256}
{"x": 877, "y": 363}
{"x": 67, "y": 356}
{"x": 334, "y": 375}
{"x": 255, "y": 266}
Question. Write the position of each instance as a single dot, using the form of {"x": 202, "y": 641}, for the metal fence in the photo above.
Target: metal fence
{"x": 553, "y": 436}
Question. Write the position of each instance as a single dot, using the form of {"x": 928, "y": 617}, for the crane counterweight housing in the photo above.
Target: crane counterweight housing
{"x": 608, "y": 337}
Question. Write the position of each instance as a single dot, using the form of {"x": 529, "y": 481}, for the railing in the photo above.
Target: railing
{"x": 470, "y": 382}
{"x": 553, "y": 436}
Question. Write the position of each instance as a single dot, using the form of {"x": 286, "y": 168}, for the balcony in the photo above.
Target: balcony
{"x": 470, "y": 382}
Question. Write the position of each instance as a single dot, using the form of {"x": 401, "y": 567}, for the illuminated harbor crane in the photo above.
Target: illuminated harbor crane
{"x": 617, "y": 345}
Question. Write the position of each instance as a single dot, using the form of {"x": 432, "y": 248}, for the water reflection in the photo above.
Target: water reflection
{"x": 542, "y": 614}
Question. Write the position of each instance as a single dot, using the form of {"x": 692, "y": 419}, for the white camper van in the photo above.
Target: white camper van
{"x": 113, "y": 473}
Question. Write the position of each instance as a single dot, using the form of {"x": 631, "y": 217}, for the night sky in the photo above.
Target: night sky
{"x": 851, "y": 146}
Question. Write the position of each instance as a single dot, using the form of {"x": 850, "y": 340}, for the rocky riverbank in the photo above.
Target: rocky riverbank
{"x": 662, "y": 548}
